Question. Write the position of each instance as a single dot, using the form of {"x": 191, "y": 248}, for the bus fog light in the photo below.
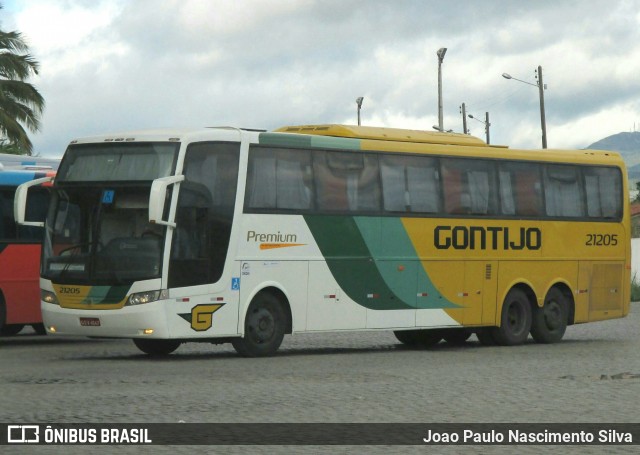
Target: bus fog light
{"x": 52, "y": 329}
{"x": 147, "y": 331}
{"x": 48, "y": 297}
{"x": 140, "y": 298}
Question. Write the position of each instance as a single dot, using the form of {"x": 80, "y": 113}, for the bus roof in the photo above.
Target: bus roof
{"x": 9, "y": 161}
{"x": 365, "y": 138}
{"x": 385, "y": 134}
{"x": 14, "y": 177}
{"x": 414, "y": 141}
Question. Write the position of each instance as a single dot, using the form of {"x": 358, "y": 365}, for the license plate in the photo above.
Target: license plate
{"x": 90, "y": 322}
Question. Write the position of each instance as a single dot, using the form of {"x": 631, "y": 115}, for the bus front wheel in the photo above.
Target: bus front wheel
{"x": 515, "y": 321}
{"x": 550, "y": 322}
{"x": 264, "y": 327}
{"x": 156, "y": 347}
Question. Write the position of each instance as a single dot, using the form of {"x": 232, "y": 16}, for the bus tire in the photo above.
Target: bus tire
{"x": 550, "y": 322}
{"x": 154, "y": 347}
{"x": 515, "y": 320}
{"x": 7, "y": 329}
{"x": 406, "y": 337}
{"x": 264, "y": 327}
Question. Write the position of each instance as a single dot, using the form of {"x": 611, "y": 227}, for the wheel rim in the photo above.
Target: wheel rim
{"x": 515, "y": 317}
{"x": 262, "y": 325}
{"x": 552, "y": 312}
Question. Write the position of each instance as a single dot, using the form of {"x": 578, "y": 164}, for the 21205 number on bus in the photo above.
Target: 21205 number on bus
{"x": 602, "y": 240}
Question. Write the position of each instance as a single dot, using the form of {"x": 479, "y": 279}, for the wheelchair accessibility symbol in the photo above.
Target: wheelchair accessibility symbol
{"x": 235, "y": 284}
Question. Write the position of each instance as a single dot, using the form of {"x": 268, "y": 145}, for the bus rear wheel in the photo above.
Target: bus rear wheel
{"x": 156, "y": 347}
{"x": 550, "y": 322}
{"x": 515, "y": 321}
{"x": 7, "y": 329}
{"x": 264, "y": 327}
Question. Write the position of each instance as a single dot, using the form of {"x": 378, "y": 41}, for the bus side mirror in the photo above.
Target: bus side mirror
{"x": 158, "y": 196}
{"x": 20, "y": 201}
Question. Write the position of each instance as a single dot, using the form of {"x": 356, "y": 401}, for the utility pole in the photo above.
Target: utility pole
{"x": 543, "y": 120}
{"x": 463, "y": 111}
{"x": 487, "y": 125}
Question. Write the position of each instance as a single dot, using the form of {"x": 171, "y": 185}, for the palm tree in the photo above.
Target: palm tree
{"x": 20, "y": 102}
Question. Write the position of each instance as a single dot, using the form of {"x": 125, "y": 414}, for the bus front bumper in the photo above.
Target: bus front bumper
{"x": 140, "y": 321}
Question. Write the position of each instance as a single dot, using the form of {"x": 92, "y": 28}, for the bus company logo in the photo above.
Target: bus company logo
{"x": 201, "y": 316}
{"x": 23, "y": 434}
{"x": 270, "y": 241}
{"x": 486, "y": 238}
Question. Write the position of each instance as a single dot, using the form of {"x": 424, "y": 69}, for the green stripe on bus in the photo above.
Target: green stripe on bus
{"x": 342, "y": 143}
{"x": 374, "y": 262}
{"x": 398, "y": 262}
{"x": 308, "y": 141}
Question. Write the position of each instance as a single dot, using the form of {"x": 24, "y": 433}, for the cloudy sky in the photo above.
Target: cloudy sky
{"x": 112, "y": 65}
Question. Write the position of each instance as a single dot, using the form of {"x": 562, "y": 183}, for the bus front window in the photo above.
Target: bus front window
{"x": 102, "y": 236}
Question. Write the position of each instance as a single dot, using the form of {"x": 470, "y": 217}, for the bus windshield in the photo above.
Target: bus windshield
{"x": 101, "y": 233}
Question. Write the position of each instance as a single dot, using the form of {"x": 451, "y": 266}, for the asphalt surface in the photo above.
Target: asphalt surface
{"x": 592, "y": 376}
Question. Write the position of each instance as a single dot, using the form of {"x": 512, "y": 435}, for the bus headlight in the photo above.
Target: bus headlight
{"x": 140, "y": 298}
{"x": 48, "y": 297}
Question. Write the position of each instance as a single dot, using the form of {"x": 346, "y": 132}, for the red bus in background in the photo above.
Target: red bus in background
{"x": 20, "y": 248}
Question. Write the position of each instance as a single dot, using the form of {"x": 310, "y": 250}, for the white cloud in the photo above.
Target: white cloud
{"x": 113, "y": 64}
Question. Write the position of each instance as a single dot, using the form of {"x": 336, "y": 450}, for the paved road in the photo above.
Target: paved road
{"x": 593, "y": 375}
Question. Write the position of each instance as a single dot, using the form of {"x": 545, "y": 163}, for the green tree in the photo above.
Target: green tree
{"x": 20, "y": 103}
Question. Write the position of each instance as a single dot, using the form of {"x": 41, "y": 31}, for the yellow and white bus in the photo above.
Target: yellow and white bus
{"x": 229, "y": 235}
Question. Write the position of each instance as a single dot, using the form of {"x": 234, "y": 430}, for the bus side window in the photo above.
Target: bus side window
{"x": 409, "y": 184}
{"x": 456, "y": 201}
{"x": 563, "y": 191}
{"x": 603, "y": 191}
{"x": 347, "y": 181}
{"x": 279, "y": 179}
{"x": 204, "y": 214}
{"x": 520, "y": 189}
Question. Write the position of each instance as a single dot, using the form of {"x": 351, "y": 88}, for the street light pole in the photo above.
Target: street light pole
{"x": 359, "y": 103}
{"x": 440, "y": 54}
{"x": 541, "y": 87}
{"x": 486, "y": 124}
